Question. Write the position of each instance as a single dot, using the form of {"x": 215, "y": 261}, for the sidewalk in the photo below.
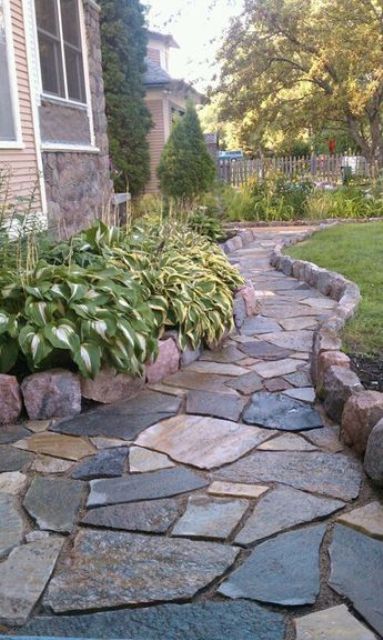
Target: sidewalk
{"x": 219, "y": 503}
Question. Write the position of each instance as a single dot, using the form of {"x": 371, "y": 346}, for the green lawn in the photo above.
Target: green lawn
{"x": 356, "y": 251}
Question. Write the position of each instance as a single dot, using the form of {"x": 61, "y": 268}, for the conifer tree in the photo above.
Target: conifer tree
{"x": 186, "y": 168}
{"x": 123, "y": 43}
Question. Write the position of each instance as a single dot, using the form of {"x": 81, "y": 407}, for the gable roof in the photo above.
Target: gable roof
{"x": 166, "y": 38}
{"x": 155, "y": 74}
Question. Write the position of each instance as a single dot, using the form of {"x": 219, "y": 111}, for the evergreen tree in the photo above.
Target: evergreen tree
{"x": 186, "y": 168}
{"x": 124, "y": 42}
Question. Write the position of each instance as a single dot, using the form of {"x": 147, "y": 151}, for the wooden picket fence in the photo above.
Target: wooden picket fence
{"x": 323, "y": 168}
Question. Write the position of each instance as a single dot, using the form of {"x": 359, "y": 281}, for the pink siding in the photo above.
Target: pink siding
{"x": 22, "y": 163}
{"x": 156, "y": 140}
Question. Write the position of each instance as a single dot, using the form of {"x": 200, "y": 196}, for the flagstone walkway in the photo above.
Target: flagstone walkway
{"x": 219, "y": 503}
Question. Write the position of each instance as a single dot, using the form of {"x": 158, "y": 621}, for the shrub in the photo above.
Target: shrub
{"x": 186, "y": 168}
{"x": 105, "y": 296}
{"x": 205, "y": 224}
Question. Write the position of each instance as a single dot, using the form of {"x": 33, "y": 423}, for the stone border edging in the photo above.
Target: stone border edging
{"x": 345, "y": 400}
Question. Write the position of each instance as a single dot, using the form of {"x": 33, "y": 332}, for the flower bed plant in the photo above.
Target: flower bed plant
{"x": 108, "y": 294}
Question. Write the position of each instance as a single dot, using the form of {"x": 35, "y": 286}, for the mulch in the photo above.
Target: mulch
{"x": 369, "y": 370}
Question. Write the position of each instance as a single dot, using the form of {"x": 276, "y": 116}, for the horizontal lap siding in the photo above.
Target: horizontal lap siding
{"x": 156, "y": 139}
{"x": 21, "y": 164}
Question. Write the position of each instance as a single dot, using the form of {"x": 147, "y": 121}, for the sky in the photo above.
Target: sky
{"x": 197, "y": 26}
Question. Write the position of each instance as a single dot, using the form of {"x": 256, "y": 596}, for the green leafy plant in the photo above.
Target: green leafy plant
{"x": 205, "y": 224}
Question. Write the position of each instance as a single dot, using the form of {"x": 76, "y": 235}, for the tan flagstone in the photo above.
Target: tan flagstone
{"x": 237, "y": 489}
{"x": 164, "y": 388}
{"x": 367, "y": 519}
{"x": 57, "y": 445}
{"x": 47, "y": 464}
{"x": 295, "y": 340}
{"x": 294, "y": 324}
{"x": 276, "y": 368}
{"x": 319, "y": 303}
{"x": 217, "y": 368}
{"x": 12, "y": 482}
{"x": 37, "y": 425}
{"x": 143, "y": 460}
{"x": 202, "y": 442}
{"x": 336, "y": 623}
{"x": 287, "y": 442}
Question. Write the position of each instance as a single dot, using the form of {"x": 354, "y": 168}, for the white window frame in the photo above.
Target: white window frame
{"x": 50, "y": 97}
{"x": 18, "y": 142}
{"x": 65, "y": 99}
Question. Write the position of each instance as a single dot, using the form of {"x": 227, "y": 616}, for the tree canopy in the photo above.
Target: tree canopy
{"x": 124, "y": 42}
{"x": 293, "y": 65}
{"x": 186, "y": 168}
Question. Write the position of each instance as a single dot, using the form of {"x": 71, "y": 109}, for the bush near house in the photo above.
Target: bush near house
{"x": 186, "y": 169}
{"x": 105, "y": 296}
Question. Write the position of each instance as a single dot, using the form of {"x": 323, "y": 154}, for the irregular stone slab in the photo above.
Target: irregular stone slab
{"x": 13, "y": 460}
{"x": 307, "y": 394}
{"x": 367, "y": 519}
{"x": 335, "y": 475}
{"x": 287, "y": 442}
{"x": 249, "y": 383}
{"x": 259, "y": 325}
{"x": 236, "y": 489}
{"x": 54, "y": 502}
{"x": 208, "y": 620}
{"x": 299, "y": 379}
{"x": 282, "y": 571}
{"x": 123, "y": 419}
{"x": 220, "y": 405}
{"x": 144, "y": 460}
{"x": 277, "y": 411}
{"x": 50, "y": 394}
{"x": 217, "y": 368}
{"x": 108, "y": 443}
{"x": 264, "y": 350}
{"x": 109, "y": 463}
{"x": 57, "y": 446}
{"x": 296, "y": 324}
{"x": 11, "y": 524}
{"x": 282, "y": 509}
{"x": 326, "y": 438}
{"x": 163, "y": 388}
{"x": 282, "y": 311}
{"x": 12, "y": 432}
{"x": 294, "y": 340}
{"x": 153, "y": 516}
{"x": 23, "y": 578}
{"x": 336, "y": 623}
{"x": 275, "y": 385}
{"x": 10, "y": 399}
{"x": 181, "y": 437}
{"x": 229, "y": 354}
{"x": 12, "y": 482}
{"x": 110, "y": 386}
{"x": 46, "y": 464}
{"x": 373, "y": 461}
{"x": 210, "y": 518}
{"x": 356, "y": 572}
{"x": 100, "y": 559}
{"x": 320, "y": 303}
{"x": 276, "y": 368}
{"x": 199, "y": 381}
{"x": 38, "y": 425}
{"x": 148, "y": 486}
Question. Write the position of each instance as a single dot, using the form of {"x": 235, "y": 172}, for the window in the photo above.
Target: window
{"x": 8, "y": 132}
{"x": 61, "y": 58}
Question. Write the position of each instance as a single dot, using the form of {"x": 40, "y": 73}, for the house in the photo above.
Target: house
{"x": 53, "y": 130}
{"x": 165, "y": 98}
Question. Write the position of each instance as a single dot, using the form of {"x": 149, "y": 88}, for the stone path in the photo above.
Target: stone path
{"x": 193, "y": 509}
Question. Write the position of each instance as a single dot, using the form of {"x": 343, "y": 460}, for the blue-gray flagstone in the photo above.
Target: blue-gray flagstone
{"x": 278, "y": 411}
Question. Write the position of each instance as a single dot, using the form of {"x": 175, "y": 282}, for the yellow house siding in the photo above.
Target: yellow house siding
{"x": 21, "y": 164}
{"x": 156, "y": 139}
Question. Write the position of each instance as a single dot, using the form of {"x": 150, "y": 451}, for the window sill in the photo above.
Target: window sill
{"x": 72, "y": 104}
{"x": 17, "y": 146}
{"x": 69, "y": 148}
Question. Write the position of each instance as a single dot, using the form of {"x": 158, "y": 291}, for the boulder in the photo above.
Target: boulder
{"x": 245, "y": 305}
{"x": 326, "y": 360}
{"x": 361, "y": 413}
{"x": 52, "y": 394}
{"x": 110, "y": 386}
{"x": 167, "y": 362}
{"x": 338, "y": 385}
{"x": 373, "y": 461}
{"x": 10, "y": 399}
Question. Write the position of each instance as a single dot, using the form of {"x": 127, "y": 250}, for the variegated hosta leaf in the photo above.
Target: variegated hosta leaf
{"x": 4, "y": 321}
{"x": 34, "y": 345}
{"x": 88, "y": 359}
{"x": 62, "y": 336}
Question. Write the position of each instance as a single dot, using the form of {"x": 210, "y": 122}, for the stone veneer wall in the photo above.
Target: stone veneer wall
{"x": 78, "y": 185}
